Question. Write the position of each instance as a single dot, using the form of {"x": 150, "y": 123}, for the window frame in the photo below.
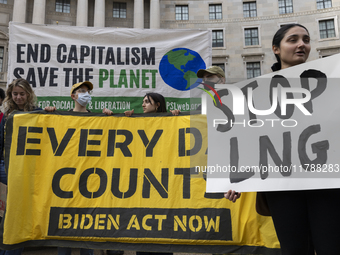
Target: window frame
{"x": 249, "y": 11}
{"x": 258, "y": 37}
{"x": 214, "y": 13}
{"x": 182, "y": 13}
{"x": 336, "y": 28}
{"x": 328, "y": 51}
{"x": 253, "y": 62}
{"x": 318, "y": 2}
{"x": 120, "y": 5}
{"x": 212, "y": 37}
{"x": 63, "y": 4}
{"x": 285, "y": 6}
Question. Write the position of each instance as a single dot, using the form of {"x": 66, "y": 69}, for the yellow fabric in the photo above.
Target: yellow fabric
{"x": 175, "y": 212}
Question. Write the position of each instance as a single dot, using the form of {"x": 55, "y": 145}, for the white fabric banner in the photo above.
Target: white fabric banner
{"x": 276, "y": 132}
{"x": 120, "y": 62}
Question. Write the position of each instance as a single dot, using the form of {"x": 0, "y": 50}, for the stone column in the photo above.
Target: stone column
{"x": 99, "y": 13}
{"x": 155, "y": 21}
{"x": 138, "y": 21}
{"x": 82, "y": 13}
{"x": 19, "y": 11}
{"x": 39, "y": 7}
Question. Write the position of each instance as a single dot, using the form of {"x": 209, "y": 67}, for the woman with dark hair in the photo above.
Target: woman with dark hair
{"x": 152, "y": 103}
{"x": 303, "y": 219}
{"x": 155, "y": 100}
{"x": 287, "y": 49}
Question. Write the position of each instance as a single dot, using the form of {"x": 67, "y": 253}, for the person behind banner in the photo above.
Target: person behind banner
{"x": 81, "y": 94}
{"x": 306, "y": 218}
{"x": 211, "y": 76}
{"x": 152, "y": 103}
{"x": 19, "y": 97}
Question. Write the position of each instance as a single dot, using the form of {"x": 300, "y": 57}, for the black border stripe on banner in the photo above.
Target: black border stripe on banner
{"x": 151, "y": 247}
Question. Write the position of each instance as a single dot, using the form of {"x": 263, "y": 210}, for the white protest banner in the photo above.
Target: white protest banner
{"x": 123, "y": 64}
{"x": 277, "y": 132}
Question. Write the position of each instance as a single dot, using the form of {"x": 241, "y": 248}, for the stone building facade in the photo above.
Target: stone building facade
{"x": 242, "y": 30}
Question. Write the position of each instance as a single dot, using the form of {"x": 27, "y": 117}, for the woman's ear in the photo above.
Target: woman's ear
{"x": 73, "y": 96}
{"x": 276, "y": 50}
{"x": 158, "y": 105}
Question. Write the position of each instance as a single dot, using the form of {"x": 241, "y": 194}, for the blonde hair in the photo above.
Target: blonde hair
{"x": 10, "y": 105}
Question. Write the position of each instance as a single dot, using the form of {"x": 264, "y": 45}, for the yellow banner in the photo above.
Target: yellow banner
{"x": 89, "y": 180}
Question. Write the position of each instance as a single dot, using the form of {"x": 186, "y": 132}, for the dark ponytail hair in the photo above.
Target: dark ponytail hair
{"x": 157, "y": 98}
{"x": 277, "y": 41}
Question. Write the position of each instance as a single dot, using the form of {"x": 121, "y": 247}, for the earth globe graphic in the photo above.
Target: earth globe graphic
{"x": 178, "y": 68}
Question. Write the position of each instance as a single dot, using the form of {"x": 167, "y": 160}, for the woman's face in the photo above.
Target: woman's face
{"x": 82, "y": 89}
{"x": 19, "y": 96}
{"x": 294, "y": 47}
{"x": 149, "y": 106}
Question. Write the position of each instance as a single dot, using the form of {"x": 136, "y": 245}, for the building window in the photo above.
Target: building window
{"x": 1, "y": 58}
{"x": 182, "y": 12}
{"x": 327, "y": 29}
{"x": 221, "y": 66}
{"x": 217, "y": 38}
{"x": 119, "y": 10}
{"x": 328, "y": 51}
{"x": 251, "y": 36}
{"x": 215, "y": 11}
{"x": 253, "y": 69}
{"x": 3, "y": 1}
{"x": 323, "y": 4}
{"x": 249, "y": 9}
{"x": 285, "y": 6}
{"x": 62, "y": 6}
